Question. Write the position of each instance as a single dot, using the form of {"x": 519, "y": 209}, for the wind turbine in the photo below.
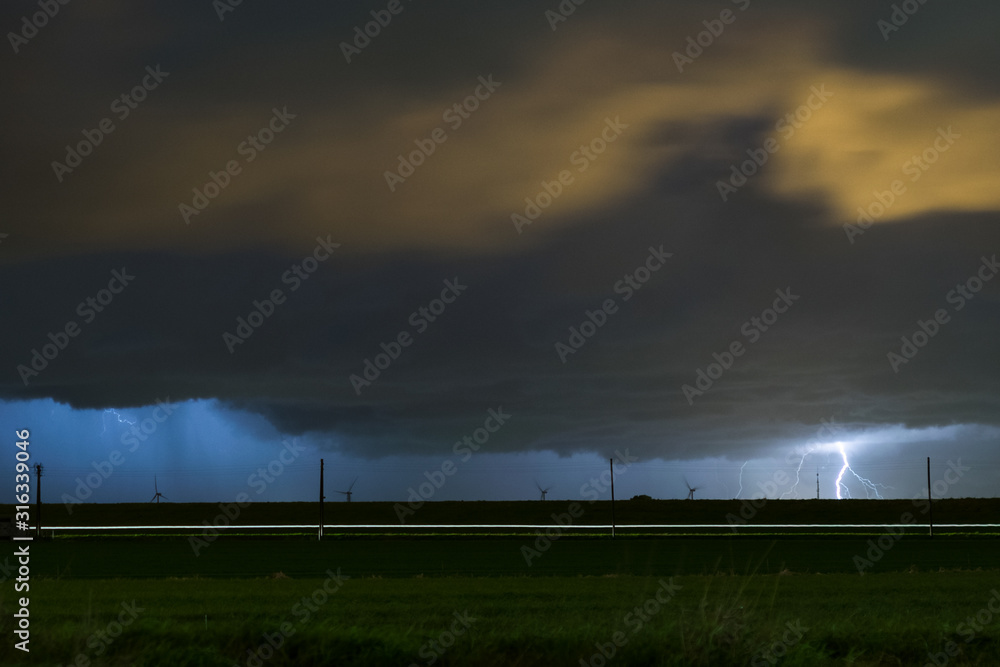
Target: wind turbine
{"x": 541, "y": 490}
{"x": 691, "y": 489}
{"x": 348, "y": 492}
{"x": 157, "y": 495}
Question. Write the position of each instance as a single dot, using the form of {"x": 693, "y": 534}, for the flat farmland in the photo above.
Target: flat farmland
{"x": 744, "y": 514}
{"x": 498, "y": 556}
{"x": 544, "y": 596}
{"x": 332, "y": 616}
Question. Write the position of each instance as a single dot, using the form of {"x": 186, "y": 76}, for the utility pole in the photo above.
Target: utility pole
{"x": 817, "y": 485}
{"x": 39, "y": 469}
{"x": 930, "y": 501}
{"x": 321, "y": 499}
{"x": 612, "y": 462}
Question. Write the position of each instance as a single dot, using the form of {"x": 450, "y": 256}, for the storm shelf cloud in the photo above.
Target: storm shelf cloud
{"x": 799, "y": 226}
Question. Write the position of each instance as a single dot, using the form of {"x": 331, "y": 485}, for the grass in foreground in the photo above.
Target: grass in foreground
{"x": 884, "y": 619}
{"x": 406, "y": 557}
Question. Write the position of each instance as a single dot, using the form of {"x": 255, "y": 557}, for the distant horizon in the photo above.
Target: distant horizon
{"x": 554, "y": 500}
{"x": 248, "y": 457}
{"x": 763, "y": 236}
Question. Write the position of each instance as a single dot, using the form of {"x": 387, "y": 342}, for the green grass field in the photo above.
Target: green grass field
{"x": 486, "y": 557}
{"x": 474, "y": 600}
{"x": 884, "y": 619}
{"x": 958, "y": 510}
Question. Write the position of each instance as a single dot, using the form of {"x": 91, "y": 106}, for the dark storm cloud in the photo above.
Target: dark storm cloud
{"x": 352, "y": 120}
{"x": 957, "y": 47}
{"x": 495, "y": 345}
{"x": 162, "y": 336}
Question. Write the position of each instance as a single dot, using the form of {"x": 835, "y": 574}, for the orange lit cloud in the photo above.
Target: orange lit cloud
{"x": 326, "y": 172}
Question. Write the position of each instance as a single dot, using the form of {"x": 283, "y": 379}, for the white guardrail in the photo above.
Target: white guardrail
{"x": 530, "y": 526}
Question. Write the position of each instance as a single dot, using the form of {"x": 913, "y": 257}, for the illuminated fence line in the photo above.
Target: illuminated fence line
{"x": 392, "y": 526}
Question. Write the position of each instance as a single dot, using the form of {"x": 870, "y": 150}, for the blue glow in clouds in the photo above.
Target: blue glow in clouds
{"x": 206, "y": 451}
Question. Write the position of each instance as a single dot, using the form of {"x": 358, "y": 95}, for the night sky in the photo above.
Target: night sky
{"x": 706, "y": 236}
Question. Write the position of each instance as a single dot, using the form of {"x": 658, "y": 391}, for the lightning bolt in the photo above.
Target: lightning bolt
{"x": 870, "y": 486}
{"x": 741, "y": 478}
{"x": 121, "y": 420}
{"x": 797, "y": 471}
{"x": 841, "y": 475}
